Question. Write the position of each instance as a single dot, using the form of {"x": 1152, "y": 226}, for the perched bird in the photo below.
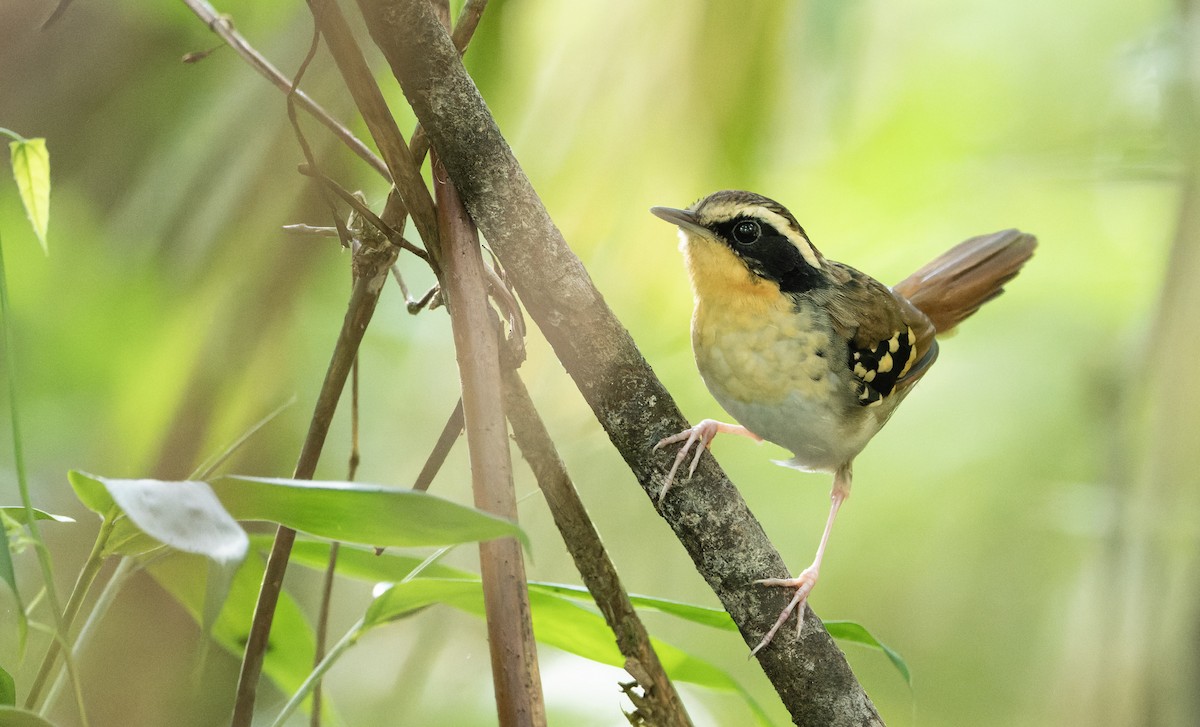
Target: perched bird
{"x": 809, "y": 353}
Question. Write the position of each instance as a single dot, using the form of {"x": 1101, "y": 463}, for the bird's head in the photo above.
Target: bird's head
{"x": 737, "y": 242}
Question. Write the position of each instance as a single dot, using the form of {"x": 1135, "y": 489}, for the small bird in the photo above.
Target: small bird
{"x": 809, "y": 353}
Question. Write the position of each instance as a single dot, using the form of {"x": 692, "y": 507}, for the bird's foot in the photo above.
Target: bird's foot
{"x": 803, "y": 584}
{"x": 703, "y": 433}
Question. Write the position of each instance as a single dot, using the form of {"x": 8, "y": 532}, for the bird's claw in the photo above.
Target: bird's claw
{"x": 803, "y": 584}
{"x": 702, "y": 433}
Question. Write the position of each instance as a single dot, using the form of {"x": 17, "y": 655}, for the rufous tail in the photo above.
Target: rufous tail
{"x": 956, "y": 283}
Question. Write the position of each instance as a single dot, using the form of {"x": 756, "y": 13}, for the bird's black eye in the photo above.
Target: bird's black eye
{"x": 746, "y": 232}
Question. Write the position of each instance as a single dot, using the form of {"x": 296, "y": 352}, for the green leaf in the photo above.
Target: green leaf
{"x": 848, "y": 631}
{"x": 17, "y": 513}
{"x": 359, "y": 562}
{"x": 8, "y": 575}
{"x": 8, "y": 689}
{"x": 127, "y": 538}
{"x": 358, "y": 513}
{"x": 91, "y": 492}
{"x": 704, "y": 615}
{"x": 290, "y": 647}
{"x": 185, "y": 515}
{"x": 857, "y": 634}
{"x": 31, "y": 170}
{"x": 13, "y": 717}
{"x": 557, "y": 621}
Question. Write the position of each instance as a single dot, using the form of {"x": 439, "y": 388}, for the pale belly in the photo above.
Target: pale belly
{"x": 775, "y": 378}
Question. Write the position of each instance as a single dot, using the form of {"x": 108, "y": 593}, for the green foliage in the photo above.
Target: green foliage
{"x": 8, "y": 689}
{"x": 184, "y": 515}
{"x": 17, "y": 514}
{"x": 9, "y": 576}
{"x": 14, "y": 717}
{"x": 555, "y": 624}
{"x": 857, "y": 634}
{"x": 358, "y": 513}
{"x": 291, "y": 646}
{"x": 847, "y": 631}
{"x": 12, "y": 519}
{"x": 31, "y": 171}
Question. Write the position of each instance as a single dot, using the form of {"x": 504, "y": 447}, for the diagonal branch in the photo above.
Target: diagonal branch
{"x": 710, "y": 518}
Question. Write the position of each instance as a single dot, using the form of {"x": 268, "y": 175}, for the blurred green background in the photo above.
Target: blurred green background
{"x": 1024, "y": 532}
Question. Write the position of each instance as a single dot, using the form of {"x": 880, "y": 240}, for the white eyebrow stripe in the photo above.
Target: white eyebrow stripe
{"x": 781, "y": 223}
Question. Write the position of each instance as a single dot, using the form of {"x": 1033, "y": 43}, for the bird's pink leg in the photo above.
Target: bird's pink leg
{"x": 804, "y": 582}
{"x": 702, "y": 433}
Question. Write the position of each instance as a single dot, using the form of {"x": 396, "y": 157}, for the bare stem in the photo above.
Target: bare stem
{"x": 515, "y": 676}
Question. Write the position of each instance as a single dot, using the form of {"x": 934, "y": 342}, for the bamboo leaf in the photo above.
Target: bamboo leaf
{"x": 291, "y": 644}
{"x": 14, "y": 717}
{"x": 359, "y": 562}
{"x": 8, "y": 689}
{"x": 91, "y": 492}
{"x": 31, "y": 170}
{"x": 857, "y": 634}
{"x": 360, "y": 513}
{"x": 185, "y": 515}
{"x": 9, "y": 576}
{"x": 704, "y": 615}
{"x": 17, "y": 513}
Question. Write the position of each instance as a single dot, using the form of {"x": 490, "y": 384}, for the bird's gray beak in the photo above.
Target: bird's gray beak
{"x": 686, "y": 219}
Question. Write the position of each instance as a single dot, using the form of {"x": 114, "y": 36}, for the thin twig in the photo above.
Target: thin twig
{"x": 331, "y": 568}
{"x": 103, "y": 602}
{"x": 450, "y": 434}
{"x": 361, "y": 83}
{"x": 223, "y": 27}
{"x": 302, "y": 140}
{"x": 309, "y": 230}
{"x": 323, "y": 628}
{"x": 416, "y": 306}
{"x": 363, "y": 210}
{"x": 659, "y": 704}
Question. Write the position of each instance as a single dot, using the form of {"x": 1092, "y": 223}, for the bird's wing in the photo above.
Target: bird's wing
{"x": 890, "y": 342}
